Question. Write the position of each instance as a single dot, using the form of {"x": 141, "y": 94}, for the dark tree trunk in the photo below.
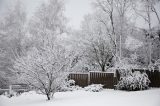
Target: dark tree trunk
{"x": 48, "y": 97}
{"x": 103, "y": 68}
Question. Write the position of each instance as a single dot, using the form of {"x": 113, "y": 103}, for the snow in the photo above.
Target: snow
{"x": 132, "y": 43}
{"x": 107, "y": 97}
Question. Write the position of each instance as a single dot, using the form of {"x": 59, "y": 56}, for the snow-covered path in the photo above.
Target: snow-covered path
{"x": 84, "y": 98}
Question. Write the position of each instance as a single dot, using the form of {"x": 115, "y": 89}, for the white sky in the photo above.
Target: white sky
{"x": 75, "y": 9}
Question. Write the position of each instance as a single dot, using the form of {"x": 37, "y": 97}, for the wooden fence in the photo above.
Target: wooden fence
{"x": 111, "y": 79}
{"x": 80, "y": 79}
{"x": 107, "y": 79}
{"x": 154, "y": 78}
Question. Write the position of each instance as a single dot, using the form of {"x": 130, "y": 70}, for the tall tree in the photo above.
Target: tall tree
{"x": 116, "y": 13}
{"x": 108, "y": 7}
{"x": 146, "y": 9}
{"x": 98, "y": 51}
{"x": 12, "y": 31}
{"x": 48, "y": 20}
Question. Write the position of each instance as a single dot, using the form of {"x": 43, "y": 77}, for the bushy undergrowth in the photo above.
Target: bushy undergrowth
{"x": 134, "y": 81}
{"x": 94, "y": 88}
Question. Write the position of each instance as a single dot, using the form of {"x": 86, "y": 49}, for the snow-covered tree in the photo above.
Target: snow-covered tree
{"x": 115, "y": 16}
{"x": 108, "y": 8}
{"x": 147, "y": 10}
{"x": 97, "y": 49}
{"x": 110, "y": 23}
{"x": 12, "y": 31}
{"x": 100, "y": 54}
{"x": 44, "y": 69}
{"x": 45, "y": 66}
{"x": 49, "y": 19}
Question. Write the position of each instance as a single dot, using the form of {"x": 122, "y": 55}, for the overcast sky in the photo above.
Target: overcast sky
{"x": 75, "y": 9}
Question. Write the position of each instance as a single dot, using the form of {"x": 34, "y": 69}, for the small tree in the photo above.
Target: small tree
{"x": 44, "y": 69}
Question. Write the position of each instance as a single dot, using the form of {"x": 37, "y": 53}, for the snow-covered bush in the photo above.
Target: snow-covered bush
{"x": 69, "y": 86}
{"x": 74, "y": 88}
{"x": 94, "y": 88}
{"x": 134, "y": 81}
{"x": 13, "y": 94}
{"x": 70, "y": 83}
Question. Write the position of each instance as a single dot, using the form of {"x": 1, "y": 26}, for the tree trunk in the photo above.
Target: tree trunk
{"x": 103, "y": 68}
{"x": 48, "y": 97}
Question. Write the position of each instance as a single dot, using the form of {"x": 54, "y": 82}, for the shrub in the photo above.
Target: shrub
{"x": 69, "y": 86}
{"x": 70, "y": 83}
{"x": 133, "y": 82}
{"x": 94, "y": 88}
{"x": 7, "y": 94}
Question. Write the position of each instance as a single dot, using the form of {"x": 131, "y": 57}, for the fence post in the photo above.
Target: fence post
{"x": 115, "y": 77}
{"x": 89, "y": 78}
{"x": 10, "y": 89}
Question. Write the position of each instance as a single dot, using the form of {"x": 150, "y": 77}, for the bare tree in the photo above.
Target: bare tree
{"x": 116, "y": 13}
{"x": 12, "y": 28}
{"x": 49, "y": 19}
{"x": 107, "y": 6}
{"x": 99, "y": 53}
{"x": 146, "y": 11}
{"x": 154, "y": 9}
{"x": 147, "y": 8}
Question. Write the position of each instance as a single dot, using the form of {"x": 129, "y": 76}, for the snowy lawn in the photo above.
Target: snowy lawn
{"x": 85, "y": 98}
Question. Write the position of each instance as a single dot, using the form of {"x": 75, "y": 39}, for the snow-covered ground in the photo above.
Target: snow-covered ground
{"x": 86, "y": 98}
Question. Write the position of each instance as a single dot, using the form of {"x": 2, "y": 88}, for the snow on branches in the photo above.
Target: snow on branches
{"x": 44, "y": 69}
